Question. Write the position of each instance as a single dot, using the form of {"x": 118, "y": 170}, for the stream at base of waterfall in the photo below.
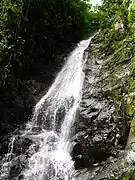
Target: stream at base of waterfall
{"x": 41, "y": 151}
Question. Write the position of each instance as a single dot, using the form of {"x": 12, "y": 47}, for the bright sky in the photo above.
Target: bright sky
{"x": 94, "y": 2}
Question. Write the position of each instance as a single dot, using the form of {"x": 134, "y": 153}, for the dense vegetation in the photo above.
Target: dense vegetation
{"x": 33, "y": 32}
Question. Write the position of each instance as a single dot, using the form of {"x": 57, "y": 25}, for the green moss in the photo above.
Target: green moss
{"x": 129, "y": 176}
{"x": 132, "y": 74}
{"x": 119, "y": 47}
{"x": 131, "y": 98}
{"x": 124, "y": 50}
{"x": 119, "y": 51}
{"x": 116, "y": 95}
{"x": 132, "y": 85}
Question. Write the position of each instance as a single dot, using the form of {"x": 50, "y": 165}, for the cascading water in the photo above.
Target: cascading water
{"x": 46, "y": 154}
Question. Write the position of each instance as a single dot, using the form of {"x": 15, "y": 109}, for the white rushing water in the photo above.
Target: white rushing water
{"x": 49, "y": 154}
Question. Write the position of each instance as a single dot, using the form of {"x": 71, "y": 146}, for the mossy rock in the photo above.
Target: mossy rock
{"x": 129, "y": 176}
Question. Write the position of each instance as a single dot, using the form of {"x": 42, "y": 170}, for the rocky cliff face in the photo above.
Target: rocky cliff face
{"x": 16, "y": 104}
{"x": 102, "y": 128}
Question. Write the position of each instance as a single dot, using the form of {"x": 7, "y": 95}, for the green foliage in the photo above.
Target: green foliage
{"x": 132, "y": 13}
{"x": 131, "y": 98}
{"x": 54, "y": 24}
{"x": 129, "y": 176}
{"x": 113, "y": 11}
{"x": 10, "y": 41}
{"x": 33, "y": 32}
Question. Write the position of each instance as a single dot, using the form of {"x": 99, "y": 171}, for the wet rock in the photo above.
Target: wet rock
{"x": 17, "y": 102}
{"x": 36, "y": 130}
{"x": 22, "y": 145}
{"x": 21, "y": 177}
{"x": 4, "y": 143}
{"x": 99, "y": 132}
{"x": 17, "y": 166}
{"x": 60, "y": 115}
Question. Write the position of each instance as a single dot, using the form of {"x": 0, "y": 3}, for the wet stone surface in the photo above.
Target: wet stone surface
{"x": 99, "y": 129}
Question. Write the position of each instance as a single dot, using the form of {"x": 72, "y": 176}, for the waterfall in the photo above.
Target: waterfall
{"x": 46, "y": 154}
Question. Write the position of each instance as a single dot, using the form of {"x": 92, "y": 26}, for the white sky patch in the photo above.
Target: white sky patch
{"x": 94, "y": 2}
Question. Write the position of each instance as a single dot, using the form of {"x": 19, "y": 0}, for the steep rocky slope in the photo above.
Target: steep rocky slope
{"x": 107, "y": 109}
